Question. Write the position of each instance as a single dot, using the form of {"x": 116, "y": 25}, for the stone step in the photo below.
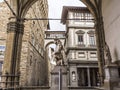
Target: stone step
{"x": 116, "y": 88}
{"x": 84, "y": 88}
{"x": 35, "y": 88}
{"x": 69, "y": 88}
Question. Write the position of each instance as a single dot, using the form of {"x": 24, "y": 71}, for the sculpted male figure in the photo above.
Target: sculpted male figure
{"x": 58, "y": 55}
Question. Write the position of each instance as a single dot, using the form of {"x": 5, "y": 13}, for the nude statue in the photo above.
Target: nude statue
{"x": 58, "y": 53}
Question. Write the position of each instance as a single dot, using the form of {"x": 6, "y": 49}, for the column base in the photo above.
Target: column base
{"x": 111, "y": 77}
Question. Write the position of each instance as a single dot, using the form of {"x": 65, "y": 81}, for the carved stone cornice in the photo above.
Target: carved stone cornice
{"x": 80, "y": 32}
{"x": 15, "y": 27}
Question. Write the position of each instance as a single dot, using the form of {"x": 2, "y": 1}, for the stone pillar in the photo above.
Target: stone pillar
{"x": 10, "y": 75}
{"x": 55, "y": 78}
{"x": 100, "y": 37}
{"x": 111, "y": 77}
{"x": 88, "y": 74}
{"x": 94, "y": 78}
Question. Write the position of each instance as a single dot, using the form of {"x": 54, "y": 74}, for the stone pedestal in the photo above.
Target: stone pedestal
{"x": 55, "y": 78}
{"x": 111, "y": 77}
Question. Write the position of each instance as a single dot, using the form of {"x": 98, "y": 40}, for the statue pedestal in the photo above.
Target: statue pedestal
{"x": 111, "y": 77}
{"x": 58, "y": 80}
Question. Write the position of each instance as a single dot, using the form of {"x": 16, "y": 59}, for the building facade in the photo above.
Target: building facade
{"x": 32, "y": 56}
{"x": 4, "y": 12}
{"x": 80, "y": 46}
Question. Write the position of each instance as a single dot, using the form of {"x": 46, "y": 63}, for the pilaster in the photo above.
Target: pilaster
{"x": 10, "y": 76}
{"x": 88, "y": 75}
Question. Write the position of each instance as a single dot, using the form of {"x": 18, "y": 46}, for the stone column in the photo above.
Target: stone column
{"x": 11, "y": 66}
{"x": 111, "y": 77}
{"x": 88, "y": 74}
{"x": 100, "y": 45}
{"x": 94, "y": 77}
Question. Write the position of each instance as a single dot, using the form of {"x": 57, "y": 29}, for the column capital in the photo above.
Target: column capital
{"x": 15, "y": 26}
{"x": 99, "y": 21}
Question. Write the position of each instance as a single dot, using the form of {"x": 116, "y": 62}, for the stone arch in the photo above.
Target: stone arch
{"x": 51, "y": 42}
{"x": 27, "y": 6}
{"x": 95, "y": 9}
{"x": 29, "y": 3}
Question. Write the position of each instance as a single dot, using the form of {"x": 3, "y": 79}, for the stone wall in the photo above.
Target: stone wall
{"x": 4, "y": 14}
{"x": 33, "y": 67}
{"x": 111, "y": 17}
{"x": 3, "y": 35}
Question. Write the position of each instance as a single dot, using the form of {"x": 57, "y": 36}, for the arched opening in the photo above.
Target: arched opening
{"x": 29, "y": 3}
{"x": 49, "y": 49}
{"x": 25, "y": 9}
{"x": 15, "y": 31}
{"x": 52, "y": 42}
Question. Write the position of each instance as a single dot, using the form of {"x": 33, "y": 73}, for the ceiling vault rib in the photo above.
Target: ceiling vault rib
{"x": 96, "y": 3}
{"x": 18, "y": 7}
{"x": 92, "y": 7}
{"x": 10, "y": 8}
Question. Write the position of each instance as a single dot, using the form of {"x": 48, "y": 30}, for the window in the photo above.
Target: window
{"x": 119, "y": 71}
{"x": 92, "y": 40}
{"x": 80, "y": 39}
{"x": 92, "y": 37}
{"x": 81, "y": 54}
{"x": 32, "y": 40}
{"x": 85, "y": 17}
{"x": 93, "y": 54}
{"x": 76, "y": 17}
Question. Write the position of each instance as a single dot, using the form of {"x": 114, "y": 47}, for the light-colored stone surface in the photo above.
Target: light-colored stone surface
{"x": 33, "y": 67}
{"x": 3, "y": 23}
{"x": 81, "y": 53}
{"x": 4, "y": 14}
{"x": 111, "y": 17}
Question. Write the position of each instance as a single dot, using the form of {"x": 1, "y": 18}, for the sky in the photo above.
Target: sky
{"x": 1, "y": 0}
{"x": 55, "y": 11}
